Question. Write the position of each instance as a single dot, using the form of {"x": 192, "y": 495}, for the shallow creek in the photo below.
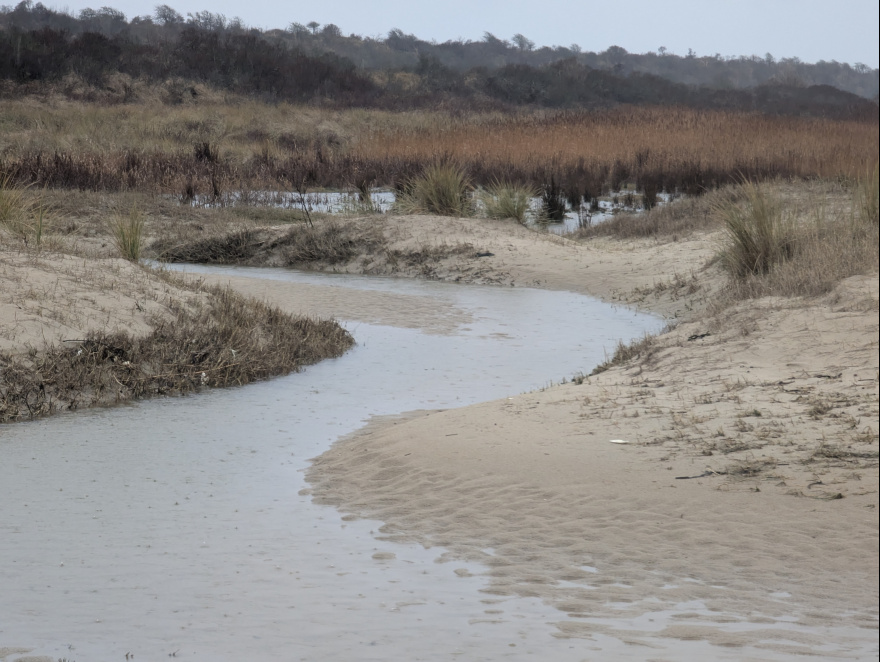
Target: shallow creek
{"x": 183, "y": 527}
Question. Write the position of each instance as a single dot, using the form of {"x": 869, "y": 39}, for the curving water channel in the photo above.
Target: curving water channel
{"x": 177, "y": 525}
{"x": 183, "y": 527}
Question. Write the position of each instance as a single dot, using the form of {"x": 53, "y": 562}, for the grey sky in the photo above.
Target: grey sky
{"x": 842, "y": 30}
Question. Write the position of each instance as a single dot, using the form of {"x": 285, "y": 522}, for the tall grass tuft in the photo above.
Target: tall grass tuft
{"x": 23, "y": 215}
{"x": 811, "y": 246}
{"x": 505, "y": 200}
{"x": 866, "y": 204}
{"x": 128, "y": 234}
{"x": 759, "y": 233}
{"x": 442, "y": 189}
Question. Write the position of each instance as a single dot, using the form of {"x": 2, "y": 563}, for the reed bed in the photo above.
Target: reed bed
{"x": 212, "y": 149}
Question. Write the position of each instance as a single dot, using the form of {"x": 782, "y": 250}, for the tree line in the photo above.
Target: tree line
{"x": 318, "y": 64}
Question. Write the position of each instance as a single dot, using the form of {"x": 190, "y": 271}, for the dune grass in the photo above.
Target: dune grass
{"x": 443, "y": 189}
{"x": 770, "y": 248}
{"x": 503, "y": 200}
{"x": 22, "y": 215}
{"x": 128, "y": 234}
{"x": 867, "y": 197}
{"x": 760, "y": 232}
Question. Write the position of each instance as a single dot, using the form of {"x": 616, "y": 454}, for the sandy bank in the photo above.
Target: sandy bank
{"x": 748, "y": 480}
{"x": 83, "y": 331}
{"x": 742, "y": 506}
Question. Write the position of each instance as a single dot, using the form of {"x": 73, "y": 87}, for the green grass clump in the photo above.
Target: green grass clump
{"x": 128, "y": 235}
{"x": 443, "y": 189}
{"x": 759, "y": 233}
{"x": 505, "y": 200}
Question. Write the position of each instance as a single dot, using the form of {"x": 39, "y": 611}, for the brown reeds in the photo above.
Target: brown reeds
{"x": 653, "y": 148}
{"x": 585, "y": 153}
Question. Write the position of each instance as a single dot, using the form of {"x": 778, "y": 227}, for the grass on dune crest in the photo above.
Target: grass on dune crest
{"x": 443, "y": 189}
{"x": 506, "y": 200}
{"x": 768, "y": 249}
{"x": 22, "y": 215}
{"x": 127, "y": 234}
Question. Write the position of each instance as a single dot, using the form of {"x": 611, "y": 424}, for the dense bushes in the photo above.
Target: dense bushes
{"x": 274, "y": 67}
{"x": 239, "y": 62}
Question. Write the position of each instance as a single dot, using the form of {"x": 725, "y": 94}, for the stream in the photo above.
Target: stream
{"x": 183, "y": 528}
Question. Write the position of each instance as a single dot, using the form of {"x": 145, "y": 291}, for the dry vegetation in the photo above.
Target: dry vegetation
{"x": 671, "y": 148}
{"x": 81, "y": 330}
{"x": 215, "y": 148}
{"x": 53, "y": 148}
{"x": 215, "y": 338}
{"x": 776, "y": 239}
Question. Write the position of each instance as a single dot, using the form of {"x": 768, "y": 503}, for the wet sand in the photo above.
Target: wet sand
{"x": 741, "y": 511}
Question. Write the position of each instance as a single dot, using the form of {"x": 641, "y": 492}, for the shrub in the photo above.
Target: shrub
{"x": 506, "y": 200}
{"x": 442, "y": 189}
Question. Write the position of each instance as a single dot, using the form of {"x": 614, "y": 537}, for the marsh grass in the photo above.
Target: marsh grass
{"x": 150, "y": 147}
{"x": 128, "y": 234}
{"x": 760, "y": 232}
{"x": 553, "y": 202}
{"x": 503, "y": 200}
{"x": 227, "y": 340}
{"x": 443, "y": 189}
